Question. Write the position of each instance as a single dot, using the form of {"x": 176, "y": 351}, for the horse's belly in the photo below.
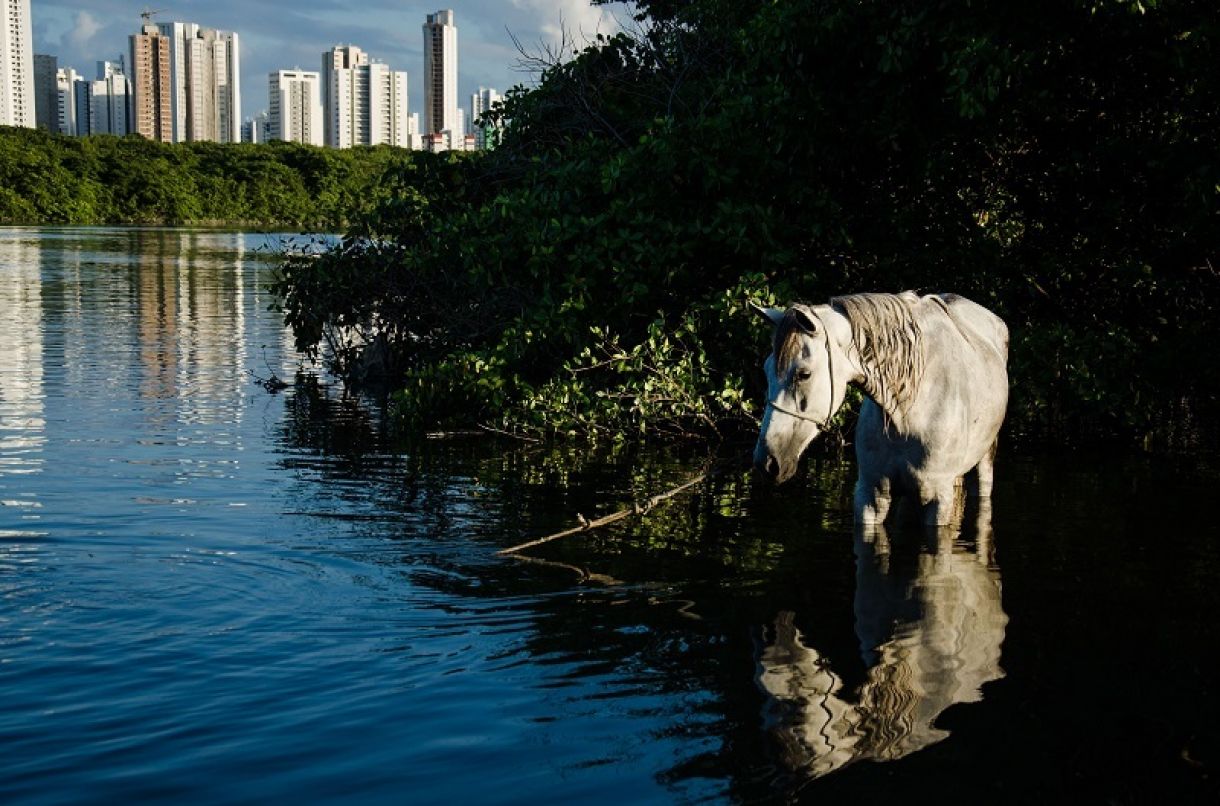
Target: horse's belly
{"x": 950, "y": 446}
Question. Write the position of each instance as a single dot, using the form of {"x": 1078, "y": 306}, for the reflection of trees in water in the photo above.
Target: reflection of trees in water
{"x": 320, "y": 420}
{"x": 502, "y": 491}
{"x": 931, "y": 638}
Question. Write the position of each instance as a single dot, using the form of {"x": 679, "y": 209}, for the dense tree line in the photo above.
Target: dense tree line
{"x": 51, "y": 179}
{"x": 1058, "y": 161}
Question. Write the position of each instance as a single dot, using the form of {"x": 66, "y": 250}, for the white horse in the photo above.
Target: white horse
{"x": 934, "y": 370}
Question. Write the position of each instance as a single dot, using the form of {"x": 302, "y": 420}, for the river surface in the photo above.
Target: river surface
{"x": 214, "y": 593}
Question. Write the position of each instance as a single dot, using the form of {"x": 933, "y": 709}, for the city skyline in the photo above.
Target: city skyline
{"x": 279, "y": 34}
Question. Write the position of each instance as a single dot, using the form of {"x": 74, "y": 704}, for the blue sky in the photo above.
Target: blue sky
{"x": 278, "y": 34}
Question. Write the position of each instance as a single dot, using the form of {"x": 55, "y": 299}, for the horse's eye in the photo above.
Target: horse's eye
{"x": 803, "y": 375}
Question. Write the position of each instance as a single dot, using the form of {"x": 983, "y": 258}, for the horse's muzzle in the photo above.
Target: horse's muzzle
{"x": 768, "y": 466}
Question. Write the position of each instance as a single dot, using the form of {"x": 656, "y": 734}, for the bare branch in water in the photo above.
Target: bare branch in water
{"x": 589, "y": 525}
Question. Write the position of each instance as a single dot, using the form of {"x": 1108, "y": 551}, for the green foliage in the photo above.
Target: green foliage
{"x": 49, "y": 179}
{"x": 665, "y": 382}
{"x": 1058, "y": 163}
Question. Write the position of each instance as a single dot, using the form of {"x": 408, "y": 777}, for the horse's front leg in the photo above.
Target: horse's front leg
{"x": 872, "y": 502}
{"x": 941, "y": 499}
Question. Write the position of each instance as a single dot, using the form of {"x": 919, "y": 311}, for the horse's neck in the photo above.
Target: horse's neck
{"x": 868, "y": 377}
{"x": 878, "y": 392}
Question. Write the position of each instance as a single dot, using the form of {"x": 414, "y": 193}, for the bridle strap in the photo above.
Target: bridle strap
{"x": 797, "y": 415}
{"x": 830, "y": 403}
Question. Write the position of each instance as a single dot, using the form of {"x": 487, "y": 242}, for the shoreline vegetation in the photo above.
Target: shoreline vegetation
{"x": 590, "y": 275}
{"x": 54, "y": 179}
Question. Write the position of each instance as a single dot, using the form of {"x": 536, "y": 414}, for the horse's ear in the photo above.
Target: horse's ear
{"x": 772, "y": 315}
{"x": 806, "y": 319}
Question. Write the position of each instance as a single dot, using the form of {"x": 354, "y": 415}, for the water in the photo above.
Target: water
{"x": 213, "y": 593}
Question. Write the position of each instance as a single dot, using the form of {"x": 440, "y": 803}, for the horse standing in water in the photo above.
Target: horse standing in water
{"x": 934, "y": 370}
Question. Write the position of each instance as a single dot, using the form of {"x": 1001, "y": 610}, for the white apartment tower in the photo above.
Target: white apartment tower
{"x": 366, "y": 101}
{"x": 296, "y": 106}
{"x": 110, "y": 101}
{"x": 16, "y": 65}
{"x": 415, "y": 138}
{"x": 388, "y": 119}
{"x": 205, "y": 87}
{"x": 480, "y": 102}
{"x": 66, "y": 101}
{"x": 338, "y": 115}
{"x": 440, "y": 75}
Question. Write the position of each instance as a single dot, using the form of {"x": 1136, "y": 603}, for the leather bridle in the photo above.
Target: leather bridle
{"x": 830, "y": 403}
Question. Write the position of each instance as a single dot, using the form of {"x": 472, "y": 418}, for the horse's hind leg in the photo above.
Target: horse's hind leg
{"x": 986, "y": 470}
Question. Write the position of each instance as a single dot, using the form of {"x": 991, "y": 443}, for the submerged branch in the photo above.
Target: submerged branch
{"x": 588, "y": 525}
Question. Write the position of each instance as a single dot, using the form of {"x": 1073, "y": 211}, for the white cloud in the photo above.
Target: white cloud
{"x": 579, "y": 18}
{"x": 84, "y": 28}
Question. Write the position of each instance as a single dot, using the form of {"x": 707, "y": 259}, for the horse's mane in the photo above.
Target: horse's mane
{"x": 886, "y": 336}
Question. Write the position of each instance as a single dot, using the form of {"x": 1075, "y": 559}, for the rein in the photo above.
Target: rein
{"x": 830, "y": 403}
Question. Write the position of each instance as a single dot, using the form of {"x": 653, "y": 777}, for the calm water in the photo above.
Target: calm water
{"x": 209, "y": 592}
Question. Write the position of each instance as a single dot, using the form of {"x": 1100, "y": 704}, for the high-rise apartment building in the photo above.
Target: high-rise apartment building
{"x": 46, "y": 92}
{"x": 366, "y": 101}
{"x": 295, "y": 112}
{"x": 389, "y": 122}
{"x": 205, "y": 95}
{"x": 110, "y": 100}
{"x": 481, "y": 102}
{"x": 16, "y": 65}
{"x": 440, "y": 75}
{"x": 80, "y": 100}
{"x": 341, "y": 57}
{"x": 257, "y": 129}
{"x": 152, "y": 99}
{"x": 414, "y": 135}
{"x": 66, "y": 101}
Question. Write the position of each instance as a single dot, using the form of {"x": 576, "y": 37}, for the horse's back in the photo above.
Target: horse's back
{"x": 976, "y": 321}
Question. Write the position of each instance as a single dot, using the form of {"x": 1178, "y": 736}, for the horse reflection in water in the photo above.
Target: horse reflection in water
{"x": 918, "y": 666}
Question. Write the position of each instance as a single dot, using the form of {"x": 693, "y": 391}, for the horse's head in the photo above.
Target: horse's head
{"x": 807, "y": 376}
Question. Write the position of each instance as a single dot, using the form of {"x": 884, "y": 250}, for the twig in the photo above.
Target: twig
{"x": 272, "y": 384}
{"x": 487, "y": 429}
{"x": 589, "y": 525}
{"x": 458, "y": 434}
